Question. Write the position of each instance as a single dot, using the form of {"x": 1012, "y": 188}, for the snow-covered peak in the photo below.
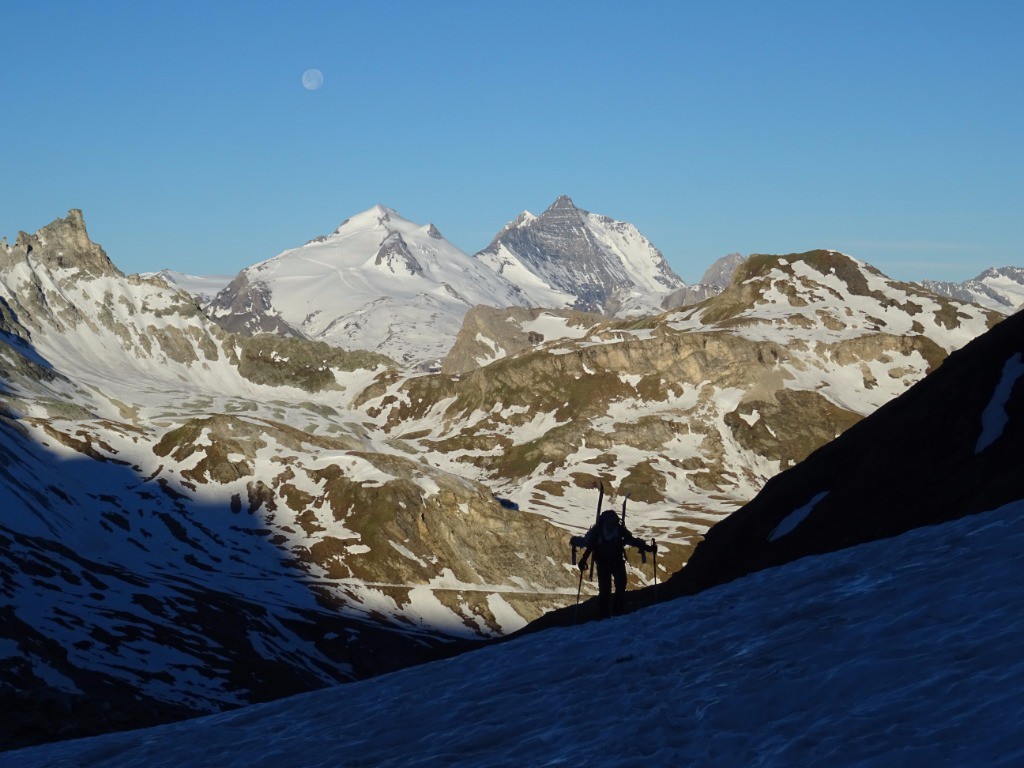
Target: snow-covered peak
{"x": 379, "y": 282}
{"x": 377, "y": 217}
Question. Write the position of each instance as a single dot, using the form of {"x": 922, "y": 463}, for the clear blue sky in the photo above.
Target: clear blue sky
{"x": 893, "y": 131}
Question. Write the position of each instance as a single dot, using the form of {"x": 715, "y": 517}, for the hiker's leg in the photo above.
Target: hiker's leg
{"x": 620, "y": 586}
{"x": 604, "y": 588}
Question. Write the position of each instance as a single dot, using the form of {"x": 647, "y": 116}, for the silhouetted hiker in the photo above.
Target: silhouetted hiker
{"x": 607, "y": 542}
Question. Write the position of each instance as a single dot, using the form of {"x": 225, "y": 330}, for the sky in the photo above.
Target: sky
{"x": 185, "y": 133}
{"x": 881, "y": 654}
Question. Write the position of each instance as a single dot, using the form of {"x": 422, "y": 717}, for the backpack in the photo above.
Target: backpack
{"x": 608, "y": 539}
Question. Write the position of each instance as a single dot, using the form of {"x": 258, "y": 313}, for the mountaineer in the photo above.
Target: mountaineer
{"x": 606, "y": 542}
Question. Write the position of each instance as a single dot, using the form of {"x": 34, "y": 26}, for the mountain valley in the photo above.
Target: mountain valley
{"x": 356, "y": 505}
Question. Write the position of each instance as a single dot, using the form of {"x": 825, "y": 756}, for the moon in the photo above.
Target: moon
{"x": 312, "y": 79}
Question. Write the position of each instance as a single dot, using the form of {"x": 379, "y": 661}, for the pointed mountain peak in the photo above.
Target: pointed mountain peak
{"x": 563, "y": 202}
{"x": 378, "y": 215}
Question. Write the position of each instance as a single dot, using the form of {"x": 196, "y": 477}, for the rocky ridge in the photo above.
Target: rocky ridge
{"x": 690, "y": 411}
{"x": 715, "y": 280}
{"x": 949, "y": 447}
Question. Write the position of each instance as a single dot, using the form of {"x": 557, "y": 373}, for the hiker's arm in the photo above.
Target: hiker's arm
{"x": 642, "y": 545}
{"x": 583, "y": 560}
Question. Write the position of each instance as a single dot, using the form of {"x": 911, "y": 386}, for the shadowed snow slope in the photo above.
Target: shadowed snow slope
{"x": 900, "y": 652}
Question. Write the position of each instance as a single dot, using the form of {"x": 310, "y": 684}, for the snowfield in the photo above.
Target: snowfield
{"x": 899, "y": 652}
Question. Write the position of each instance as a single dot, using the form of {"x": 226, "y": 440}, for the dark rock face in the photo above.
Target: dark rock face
{"x": 394, "y": 255}
{"x": 951, "y": 446}
{"x": 246, "y": 308}
{"x": 720, "y": 273}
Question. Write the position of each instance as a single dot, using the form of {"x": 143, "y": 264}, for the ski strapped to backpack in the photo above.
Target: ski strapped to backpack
{"x": 643, "y": 554}
{"x": 597, "y": 521}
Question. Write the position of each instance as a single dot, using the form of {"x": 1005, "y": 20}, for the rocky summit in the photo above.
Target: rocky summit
{"x": 584, "y": 261}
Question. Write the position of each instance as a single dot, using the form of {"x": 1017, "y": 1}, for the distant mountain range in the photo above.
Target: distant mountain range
{"x": 382, "y": 283}
{"x": 351, "y": 514}
{"x": 1000, "y": 289}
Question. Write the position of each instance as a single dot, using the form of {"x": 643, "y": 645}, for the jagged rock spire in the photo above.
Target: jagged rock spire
{"x": 63, "y": 244}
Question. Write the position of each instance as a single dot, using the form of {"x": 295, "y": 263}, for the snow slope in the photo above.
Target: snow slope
{"x": 884, "y": 655}
{"x": 378, "y": 282}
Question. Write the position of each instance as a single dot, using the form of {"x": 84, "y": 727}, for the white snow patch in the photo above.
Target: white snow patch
{"x": 751, "y": 418}
{"x": 553, "y": 327}
{"x": 504, "y": 615}
{"x": 794, "y": 518}
{"x": 407, "y": 553}
{"x": 994, "y": 417}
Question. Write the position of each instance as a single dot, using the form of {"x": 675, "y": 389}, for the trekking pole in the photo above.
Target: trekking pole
{"x": 576, "y": 613}
{"x": 654, "y": 545}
